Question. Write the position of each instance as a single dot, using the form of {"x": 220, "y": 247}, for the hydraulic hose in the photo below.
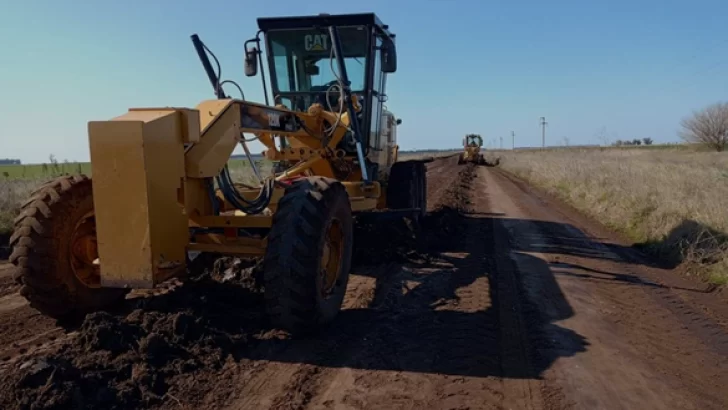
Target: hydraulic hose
{"x": 231, "y": 194}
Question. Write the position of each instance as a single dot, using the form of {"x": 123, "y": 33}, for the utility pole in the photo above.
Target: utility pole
{"x": 513, "y": 140}
{"x": 543, "y": 131}
{"x": 501, "y": 142}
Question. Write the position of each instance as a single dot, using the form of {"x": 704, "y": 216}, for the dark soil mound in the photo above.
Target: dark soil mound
{"x": 129, "y": 359}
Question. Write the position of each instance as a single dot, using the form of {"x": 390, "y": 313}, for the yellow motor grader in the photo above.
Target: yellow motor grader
{"x": 472, "y": 144}
{"x": 161, "y": 191}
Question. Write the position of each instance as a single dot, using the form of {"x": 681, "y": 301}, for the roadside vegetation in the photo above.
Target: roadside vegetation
{"x": 671, "y": 201}
{"x": 708, "y": 127}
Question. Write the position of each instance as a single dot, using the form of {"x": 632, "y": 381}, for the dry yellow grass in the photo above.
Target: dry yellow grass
{"x": 13, "y": 192}
{"x": 672, "y": 200}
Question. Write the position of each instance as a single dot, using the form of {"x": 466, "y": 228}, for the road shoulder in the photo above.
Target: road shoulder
{"x": 638, "y": 353}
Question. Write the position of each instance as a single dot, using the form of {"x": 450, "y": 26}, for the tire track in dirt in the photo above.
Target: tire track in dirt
{"x": 22, "y": 329}
{"x": 8, "y": 286}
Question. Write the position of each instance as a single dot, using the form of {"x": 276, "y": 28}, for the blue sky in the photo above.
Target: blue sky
{"x": 622, "y": 68}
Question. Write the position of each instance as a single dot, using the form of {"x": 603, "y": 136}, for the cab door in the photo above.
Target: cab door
{"x": 377, "y": 142}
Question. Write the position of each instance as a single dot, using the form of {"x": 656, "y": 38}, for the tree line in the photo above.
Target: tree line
{"x": 636, "y": 141}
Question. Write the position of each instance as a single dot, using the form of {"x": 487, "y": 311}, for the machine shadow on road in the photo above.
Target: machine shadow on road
{"x": 561, "y": 239}
{"x": 688, "y": 240}
{"x": 441, "y": 315}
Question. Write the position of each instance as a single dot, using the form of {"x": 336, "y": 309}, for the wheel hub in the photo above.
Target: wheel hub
{"x": 84, "y": 253}
{"x": 331, "y": 256}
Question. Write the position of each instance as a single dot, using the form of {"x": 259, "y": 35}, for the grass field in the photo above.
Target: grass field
{"x": 670, "y": 200}
{"x": 39, "y": 171}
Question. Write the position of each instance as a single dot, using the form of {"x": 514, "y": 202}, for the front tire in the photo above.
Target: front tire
{"x": 54, "y": 247}
{"x": 308, "y": 257}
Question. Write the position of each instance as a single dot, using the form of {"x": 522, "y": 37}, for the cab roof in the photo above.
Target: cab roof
{"x": 292, "y": 22}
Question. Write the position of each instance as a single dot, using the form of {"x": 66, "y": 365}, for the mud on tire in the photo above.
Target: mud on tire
{"x": 41, "y": 250}
{"x": 299, "y": 295}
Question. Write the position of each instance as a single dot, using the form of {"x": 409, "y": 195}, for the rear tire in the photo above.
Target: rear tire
{"x": 421, "y": 175}
{"x": 407, "y": 187}
{"x": 300, "y": 295}
{"x": 42, "y": 250}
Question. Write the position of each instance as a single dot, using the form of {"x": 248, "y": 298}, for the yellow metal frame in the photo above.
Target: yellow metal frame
{"x": 154, "y": 165}
{"x": 471, "y": 152}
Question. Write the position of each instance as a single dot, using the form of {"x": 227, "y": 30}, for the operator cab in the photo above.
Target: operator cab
{"x": 303, "y": 67}
{"x": 472, "y": 140}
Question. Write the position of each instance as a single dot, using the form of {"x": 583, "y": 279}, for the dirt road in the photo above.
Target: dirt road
{"x": 505, "y": 299}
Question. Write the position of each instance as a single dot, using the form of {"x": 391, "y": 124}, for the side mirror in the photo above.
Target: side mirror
{"x": 399, "y": 121}
{"x": 388, "y": 54}
{"x": 251, "y": 63}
